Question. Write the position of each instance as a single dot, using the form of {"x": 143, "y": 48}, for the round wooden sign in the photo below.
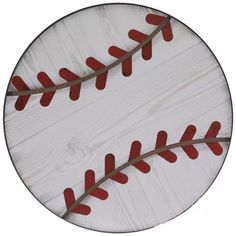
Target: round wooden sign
{"x": 118, "y": 117}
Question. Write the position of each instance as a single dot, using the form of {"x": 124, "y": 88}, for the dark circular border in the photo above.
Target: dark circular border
{"x": 98, "y": 5}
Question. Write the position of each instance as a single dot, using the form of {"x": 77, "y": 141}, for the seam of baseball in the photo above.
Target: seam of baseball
{"x": 139, "y": 158}
{"x": 98, "y": 72}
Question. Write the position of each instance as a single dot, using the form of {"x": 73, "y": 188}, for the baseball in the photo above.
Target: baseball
{"x": 118, "y": 117}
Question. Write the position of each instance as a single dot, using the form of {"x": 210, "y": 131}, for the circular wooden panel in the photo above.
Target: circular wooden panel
{"x": 118, "y": 118}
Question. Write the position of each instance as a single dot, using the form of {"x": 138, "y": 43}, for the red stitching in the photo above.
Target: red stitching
{"x": 89, "y": 181}
{"x": 135, "y": 151}
{"x": 143, "y": 166}
{"x": 188, "y": 135}
{"x": 70, "y": 76}
{"x": 110, "y": 166}
{"x": 19, "y": 84}
{"x": 213, "y": 132}
{"x": 46, "y": 82}
{"x": 126, "y": 64}
{"x": 156, "y": 20}
{"x": 70, "y": 199}
{"x": 140, "y": 37}
{"x": 161, "y": 142}
{"x": 95, "y": 65}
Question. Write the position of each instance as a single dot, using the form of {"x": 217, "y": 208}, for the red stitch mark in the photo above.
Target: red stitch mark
{"x": 140, "y": 37}
{"x": 190, "y": 150}
{"x": 70, "y": 199}
{"x": 213, "y": 132}
{"x": 96, "y": 65}
{"x": 46, "y": 82}
{"x": 161, "y": 142}
{"x": 70, "y": 76}
{"x": 110, "y": 166}
{"x": 126, "y": 64}
{"x": 20, "y": 85}
{"x": 135, "y": 151}
{"x": 156, "y": 20}
{"x": 90, "y": 181}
